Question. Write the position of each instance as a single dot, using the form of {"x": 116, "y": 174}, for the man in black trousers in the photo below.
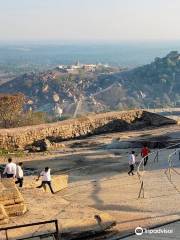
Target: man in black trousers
{"x": 19, "y": 174}
{"x": 46, "y": 179}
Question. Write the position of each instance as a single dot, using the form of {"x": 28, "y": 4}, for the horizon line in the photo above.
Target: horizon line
{"x": 99, "y": 41}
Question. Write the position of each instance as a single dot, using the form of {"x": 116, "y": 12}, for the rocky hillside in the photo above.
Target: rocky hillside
{"x": 154, "y": 85}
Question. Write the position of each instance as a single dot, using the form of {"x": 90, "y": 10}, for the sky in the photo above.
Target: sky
{"x": 89, "y": 20}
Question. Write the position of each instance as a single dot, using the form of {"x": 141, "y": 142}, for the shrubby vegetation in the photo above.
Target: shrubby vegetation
{"x": 13, "y": 113}
{"x": 11, "y": 153}
{"x": 11, "y": 108}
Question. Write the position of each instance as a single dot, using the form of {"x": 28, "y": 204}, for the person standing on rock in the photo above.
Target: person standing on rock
{"x": 132, "y": 161}
{"x": 19, "y": 174}
{"x": 144, "y": 153}
{"x": 46, "y": 179}
{"x": 10, "y": 169}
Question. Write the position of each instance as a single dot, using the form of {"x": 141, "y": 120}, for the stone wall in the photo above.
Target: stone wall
{"x": 20, "y": 138}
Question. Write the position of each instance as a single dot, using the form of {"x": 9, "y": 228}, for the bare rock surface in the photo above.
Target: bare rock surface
{"x": 99, "y": 185}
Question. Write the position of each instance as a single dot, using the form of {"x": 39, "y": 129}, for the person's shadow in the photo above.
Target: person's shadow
{"x": 95, "y": 193}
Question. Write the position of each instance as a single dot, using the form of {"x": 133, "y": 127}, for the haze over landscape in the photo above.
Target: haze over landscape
{"x": 82, "y": 51}
{"x": 89, "y": 95}
{"x": 102, "y": 20}
{"x": 48, "y": 33}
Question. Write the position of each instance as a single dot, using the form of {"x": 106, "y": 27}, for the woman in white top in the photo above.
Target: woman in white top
{"x": 46, "y": 179}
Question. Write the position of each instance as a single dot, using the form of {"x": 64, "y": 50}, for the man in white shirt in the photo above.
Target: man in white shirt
{"x": 46, "y": 179}
{"x": 10, "y": 169}
{"x": 19, "y": 174}
{"x": 132, "y": 161}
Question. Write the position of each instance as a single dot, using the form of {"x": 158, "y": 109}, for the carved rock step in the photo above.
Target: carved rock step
{"x": 11, "y": 201}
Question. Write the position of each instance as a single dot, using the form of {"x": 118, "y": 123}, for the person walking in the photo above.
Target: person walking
{"x": 46, "y": 179}
{"x": 144, "y": 154}
{"x": 132, "y": 161}
{"x": 10, "y": 169}
{"x": 19, "y": 174}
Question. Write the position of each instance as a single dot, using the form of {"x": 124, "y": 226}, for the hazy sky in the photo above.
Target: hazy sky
{"x": 87, "y": 20}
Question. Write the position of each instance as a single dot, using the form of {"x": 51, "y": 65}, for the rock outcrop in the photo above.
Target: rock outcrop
{"x": 21, "y": 138}
{"x": 11, "y": 201}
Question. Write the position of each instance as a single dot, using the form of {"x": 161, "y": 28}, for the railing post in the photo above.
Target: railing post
{"x": 170, "y": 173}
{"x": 57, "y": 230}
{"x": 141, "y": 189}
{"x": 168, "y": 170}
{"x": 56, "y": 233}
{"x": 6, "y": 235}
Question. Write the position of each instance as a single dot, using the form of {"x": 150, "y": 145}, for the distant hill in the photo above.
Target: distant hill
{"x": 154, "y": 85}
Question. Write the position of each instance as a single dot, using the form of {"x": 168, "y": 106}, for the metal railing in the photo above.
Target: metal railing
{"x": 170, "y": 162}
{"x": 55, "y": 234}
{"x": 141, "y": 173}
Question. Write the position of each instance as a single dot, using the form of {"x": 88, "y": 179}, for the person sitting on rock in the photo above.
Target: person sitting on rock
{"x": 10, "y": 169}
{"x": 132, "y": 161}
{"x": 19, "y": 174}
{"x": 46, "y": 179}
